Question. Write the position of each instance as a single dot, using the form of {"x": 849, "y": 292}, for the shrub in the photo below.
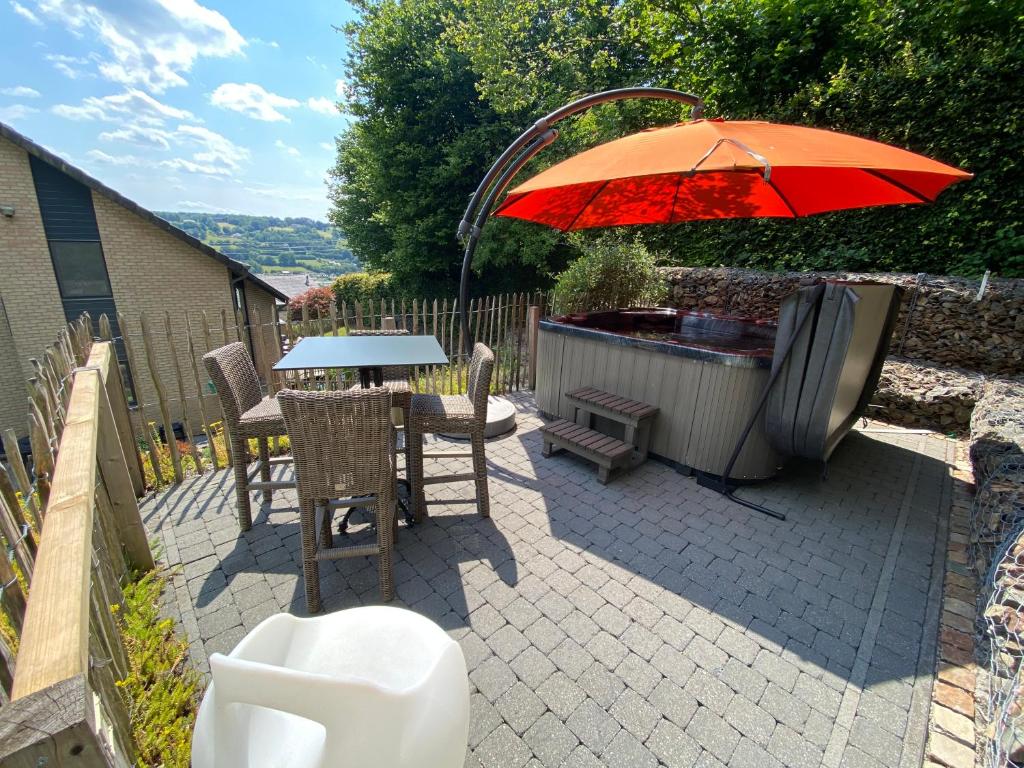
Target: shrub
{"x": 316, "y": 300}
{"x": 613, "y": 271}
{"x": 363, "y": 287}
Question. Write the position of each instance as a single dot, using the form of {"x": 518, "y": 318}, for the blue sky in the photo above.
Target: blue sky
{"x": 204, "y": 105}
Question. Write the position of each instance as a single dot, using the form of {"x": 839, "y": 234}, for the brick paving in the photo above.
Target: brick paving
{"x": 648, "y": 622}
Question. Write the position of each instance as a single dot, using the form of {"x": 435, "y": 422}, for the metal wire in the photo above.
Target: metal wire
{"x": 997, "y": 545}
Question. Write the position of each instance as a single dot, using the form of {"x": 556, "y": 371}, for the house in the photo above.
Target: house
{"x": 69, "y": 244}
{"x": 296, "y": 285}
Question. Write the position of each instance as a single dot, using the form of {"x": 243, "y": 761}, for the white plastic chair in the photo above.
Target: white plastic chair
{"x": 374, "y": 687}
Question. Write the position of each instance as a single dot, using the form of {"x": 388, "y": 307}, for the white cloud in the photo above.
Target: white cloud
{"x": 15, "y": 112}
{"x": 201, "y": 207}
{"x": 100, "y": 156}
{"x": 294, "y": 152}
{"x": 324, "y": 106}
{"x": 340, "y": 89}
{"x": 215, "y": 149}
{"x": 133, "y": 105}
{"x": 142, "y": 135}
{"x": 207, "y": 169}
{"x": 286, "y": 192}
{"x": 210, "y": 153}
{"x": 326, "y": 146}
{"x": 150, "y": 43}
{"x": 25, "y": 13}
{"x": 69, "y": 66}
{"x": 252, "y": 100}
{"x": 21, "y": 91}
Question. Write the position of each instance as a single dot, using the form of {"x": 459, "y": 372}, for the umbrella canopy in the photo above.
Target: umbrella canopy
{"x": 717, "y": 169}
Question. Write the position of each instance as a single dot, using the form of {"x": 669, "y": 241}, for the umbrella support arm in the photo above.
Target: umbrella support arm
{"x": 722, "y": 484}
{"x": 516, "y": 155}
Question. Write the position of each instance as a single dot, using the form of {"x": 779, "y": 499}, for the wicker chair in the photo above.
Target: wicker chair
{"x": 452, "y": 414}
{"x": 247, "y": 415}
{"x": 396, "y": 377}
{"x": 343, "y": 445}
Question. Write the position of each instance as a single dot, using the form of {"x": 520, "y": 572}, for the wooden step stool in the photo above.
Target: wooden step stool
{"x": 607, "y": 452}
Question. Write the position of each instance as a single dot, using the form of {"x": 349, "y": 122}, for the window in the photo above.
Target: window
{"x": 81, "y": 271}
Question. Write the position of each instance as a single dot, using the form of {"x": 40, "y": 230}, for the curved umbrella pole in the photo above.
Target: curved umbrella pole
{"x": 517, "y": 154}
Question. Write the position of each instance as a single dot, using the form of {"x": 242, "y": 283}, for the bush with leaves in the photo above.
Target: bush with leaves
{"x": 317, "y": 301}
{"x": 613, "y": 271}
{"x": 364, "y": 287}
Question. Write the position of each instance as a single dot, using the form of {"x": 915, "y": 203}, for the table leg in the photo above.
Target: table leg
{"x": 364, "y": 377}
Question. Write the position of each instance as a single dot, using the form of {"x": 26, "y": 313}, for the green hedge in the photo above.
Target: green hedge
{"x": 364, "y": 287}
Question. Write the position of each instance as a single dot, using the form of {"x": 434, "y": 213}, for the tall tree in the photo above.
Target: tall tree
{"x": 421, "y": 139}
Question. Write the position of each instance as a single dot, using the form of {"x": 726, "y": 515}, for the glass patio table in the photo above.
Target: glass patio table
{"x": 370, "y": 354}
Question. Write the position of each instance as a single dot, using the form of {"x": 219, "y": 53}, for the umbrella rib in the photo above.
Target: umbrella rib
{"x": 784, "y": 199}
{"x": 587, "y": 205}
{"x": 675, "y": 197}
{"x": 899, "y": 185}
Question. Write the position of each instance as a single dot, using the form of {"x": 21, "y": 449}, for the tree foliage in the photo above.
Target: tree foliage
{"x": 441, "y": 87}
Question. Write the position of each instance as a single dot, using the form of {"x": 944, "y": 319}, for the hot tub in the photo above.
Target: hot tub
{"x": 704, "y": 372}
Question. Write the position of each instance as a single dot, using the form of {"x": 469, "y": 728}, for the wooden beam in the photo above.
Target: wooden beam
{"x": 55, "y": 641}
{"x": 61, "y": 726}
{"x": 114, "y": 465}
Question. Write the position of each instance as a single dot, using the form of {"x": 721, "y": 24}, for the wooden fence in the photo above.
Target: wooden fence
{"x": 164, "y": 354}
{"x": 75, "y": 534}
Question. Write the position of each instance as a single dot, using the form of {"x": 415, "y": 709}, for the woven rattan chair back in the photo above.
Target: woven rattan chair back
{"x": 233, "y": 374}
{"x": 393, "y": 372}
{"x": 341, "y": 441}
{"x": 481, "y": 366}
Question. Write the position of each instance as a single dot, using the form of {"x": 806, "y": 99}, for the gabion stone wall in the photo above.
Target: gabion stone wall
{"x": 929, "y": 396}
{"x": 946, "y": 324}
{"x": 997, "y": 554}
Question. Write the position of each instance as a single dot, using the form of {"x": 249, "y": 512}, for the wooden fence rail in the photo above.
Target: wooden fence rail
{"x": 64, "y": 703}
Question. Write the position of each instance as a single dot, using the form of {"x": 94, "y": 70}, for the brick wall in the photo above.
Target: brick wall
{"x": 262, "y": 311}
{"x": 155, "y": 274}
{"x": 12, "y": 408}
{"x": 28, "y": 287}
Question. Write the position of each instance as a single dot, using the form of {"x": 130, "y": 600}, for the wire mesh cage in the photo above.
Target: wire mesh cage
{"x": 997, "y": 540}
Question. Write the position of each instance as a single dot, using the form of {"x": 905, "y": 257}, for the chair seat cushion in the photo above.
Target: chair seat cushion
{"x": 262, "y": 420}
{"x": 457, "y": 407}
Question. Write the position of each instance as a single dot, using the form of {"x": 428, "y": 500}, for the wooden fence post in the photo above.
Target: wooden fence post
{"x": 533, "y": 329}
{"x": 114, "y": 469}
{"x": 161, "y": 399}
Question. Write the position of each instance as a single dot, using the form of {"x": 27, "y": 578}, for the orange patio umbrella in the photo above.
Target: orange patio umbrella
{"x": 723, "y": 169}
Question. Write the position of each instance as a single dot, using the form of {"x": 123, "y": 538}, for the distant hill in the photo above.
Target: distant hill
{"x": 271, "y": 245}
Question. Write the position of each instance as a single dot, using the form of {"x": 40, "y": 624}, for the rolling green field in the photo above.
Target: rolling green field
{"x": 270, "y": 245}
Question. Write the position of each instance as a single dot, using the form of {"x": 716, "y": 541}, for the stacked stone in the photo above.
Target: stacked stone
{"x": 948, "y": 326}
{"x": 997, "y": 426}
{"x": 996, "y": 550}
{"x": 933, "y": 397}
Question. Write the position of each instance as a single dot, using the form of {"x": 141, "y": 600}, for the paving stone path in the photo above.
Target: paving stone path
{"x": 648, "y": 622}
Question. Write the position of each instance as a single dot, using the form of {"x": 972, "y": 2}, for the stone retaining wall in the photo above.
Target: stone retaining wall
{"x": 994, "y": 550}
{"x": 946, "y": 325}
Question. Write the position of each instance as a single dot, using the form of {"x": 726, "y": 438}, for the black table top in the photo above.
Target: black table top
{"x": 362, "y": 352}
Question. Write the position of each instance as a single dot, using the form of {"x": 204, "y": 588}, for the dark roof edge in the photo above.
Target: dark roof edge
{"x": 81, "y": 176}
